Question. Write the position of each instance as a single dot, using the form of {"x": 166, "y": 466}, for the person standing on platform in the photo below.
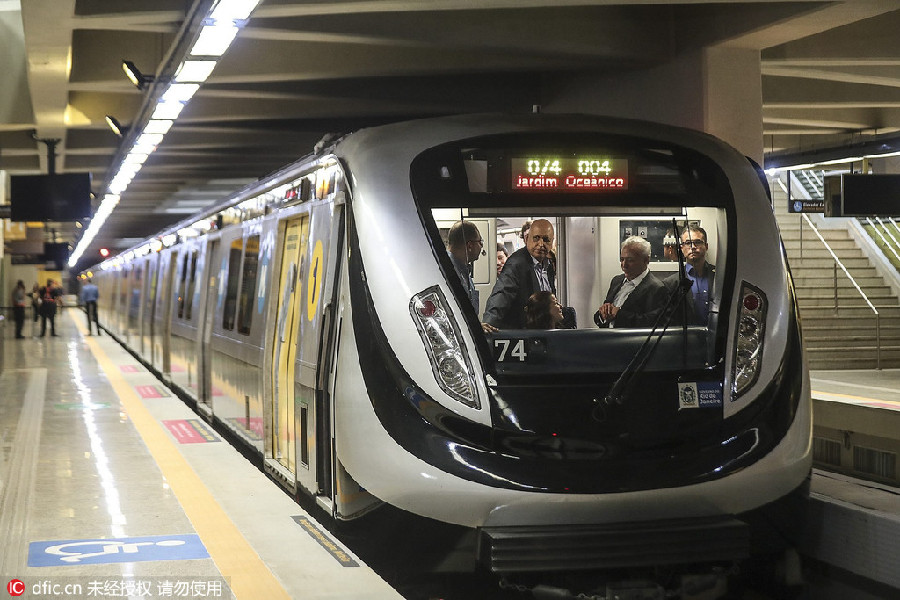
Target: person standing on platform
{"x": 35, "y": 306}
{"x": 18, "y": 303}
{"x": 89, "y": 296}
{"x": 49, "y": 298}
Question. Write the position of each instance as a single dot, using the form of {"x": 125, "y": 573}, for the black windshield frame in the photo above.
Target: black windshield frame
{"x": 680, "y": 177}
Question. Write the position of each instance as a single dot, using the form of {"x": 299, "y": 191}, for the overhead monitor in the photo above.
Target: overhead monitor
{"x": 58, "y": 197}
{"x": 864, "y": 196}
{"x": 57, "y": 253}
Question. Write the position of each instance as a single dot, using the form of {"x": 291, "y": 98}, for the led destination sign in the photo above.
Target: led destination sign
{"x": 568, "y": 174}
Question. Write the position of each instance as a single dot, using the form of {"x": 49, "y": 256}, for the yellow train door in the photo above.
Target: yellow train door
{"x": 281, "y": 438}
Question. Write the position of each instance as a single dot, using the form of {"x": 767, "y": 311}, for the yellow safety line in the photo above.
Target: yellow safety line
{"x": 849, "y": 397}
{"x": 248, "y": 575}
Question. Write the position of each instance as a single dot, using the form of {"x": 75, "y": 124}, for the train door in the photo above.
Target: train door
{"x": 315, "y": 468}
{"x": 205, "y": 391}
{"x": 280, "y": 443}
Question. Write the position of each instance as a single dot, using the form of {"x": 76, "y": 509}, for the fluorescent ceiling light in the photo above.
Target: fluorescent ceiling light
{"x": 147, "y": 143}
{"x": 179, "y": 92}
{"x": 128, "y": 170}
{"x": 168, "y": 110}
{"x": 135, "y": 158}
{"x": 221, "y": 28}
{"x": 160, "y": 126}
{"x": 234, "y": 10}
{"x": 195, "y": 71}
{"x": 117, "y": 186}
{"x": 214, "y": 40}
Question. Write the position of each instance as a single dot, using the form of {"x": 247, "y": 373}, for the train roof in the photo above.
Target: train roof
{"x": 408, "y": 139}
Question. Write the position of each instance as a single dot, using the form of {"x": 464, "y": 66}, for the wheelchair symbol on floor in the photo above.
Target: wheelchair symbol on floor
{"x": 116, "y": 550}
{"x": 106, "y": 547}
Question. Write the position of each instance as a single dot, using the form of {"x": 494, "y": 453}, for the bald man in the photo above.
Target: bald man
{"x": 527, "y": 270}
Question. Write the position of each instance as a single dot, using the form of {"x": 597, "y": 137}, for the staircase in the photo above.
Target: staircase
{"x": 838, "y": 333}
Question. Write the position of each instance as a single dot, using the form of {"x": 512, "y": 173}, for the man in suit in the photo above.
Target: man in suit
{"x": 636, "y": 297}
{"x": 527, "y": 270}
{"x": 465, "y": 246}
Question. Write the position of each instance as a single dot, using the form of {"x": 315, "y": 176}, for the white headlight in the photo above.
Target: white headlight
{"x": 444, "y": 345}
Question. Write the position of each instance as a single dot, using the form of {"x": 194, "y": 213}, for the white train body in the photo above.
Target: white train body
{"x": 347, "y": 355}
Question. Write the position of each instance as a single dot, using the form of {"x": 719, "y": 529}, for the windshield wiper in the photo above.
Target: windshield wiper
{"x": 618, "y": 393}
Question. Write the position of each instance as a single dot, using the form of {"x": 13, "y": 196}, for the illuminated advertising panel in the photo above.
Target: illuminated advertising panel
{"x": 568, "y": 174}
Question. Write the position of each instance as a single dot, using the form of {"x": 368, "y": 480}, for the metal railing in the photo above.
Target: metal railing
{"x": 838, "y": 263}
{"x": 888, "y": 245}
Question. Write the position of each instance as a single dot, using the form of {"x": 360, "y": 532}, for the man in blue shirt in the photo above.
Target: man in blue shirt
{"x": 701, "y": 273}
{"x": 89, "y": 296}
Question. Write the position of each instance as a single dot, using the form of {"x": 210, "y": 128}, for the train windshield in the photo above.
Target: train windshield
{"x": 585, "y": 256}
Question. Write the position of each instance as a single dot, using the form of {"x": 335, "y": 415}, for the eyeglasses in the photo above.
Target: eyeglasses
{"x": 478, "y": 241}
{"x": 545, "y": 238}
{"x": 690, "y": 243}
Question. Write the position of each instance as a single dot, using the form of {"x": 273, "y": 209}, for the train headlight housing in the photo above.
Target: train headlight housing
{"x": 748, "y": 343}
{"x": 444, "y": 344}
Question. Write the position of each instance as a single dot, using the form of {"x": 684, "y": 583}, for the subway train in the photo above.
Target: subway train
{"x": 317, "y": 316}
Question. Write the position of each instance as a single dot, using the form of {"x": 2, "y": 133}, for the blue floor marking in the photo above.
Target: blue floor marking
{"x": 60, "y": 553}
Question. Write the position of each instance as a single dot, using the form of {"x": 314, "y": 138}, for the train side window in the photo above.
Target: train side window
{"x": 305, "y": 189}
{"x": 248, "y": 285}
{"x": 231, "y": 290}
{"x": 182, "y": 285}
{"x": 191, "y": 281}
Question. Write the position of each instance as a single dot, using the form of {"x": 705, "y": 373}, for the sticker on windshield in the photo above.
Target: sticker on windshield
{"x": 700, "y": 394}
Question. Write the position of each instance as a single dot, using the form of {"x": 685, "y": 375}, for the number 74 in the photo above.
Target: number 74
{"x": 518, "y": 349}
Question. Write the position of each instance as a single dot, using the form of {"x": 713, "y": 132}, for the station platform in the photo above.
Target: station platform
{"x": 854, "y": 524}
{"x": 115, "y": 488}
{"x": 111, "y": 485}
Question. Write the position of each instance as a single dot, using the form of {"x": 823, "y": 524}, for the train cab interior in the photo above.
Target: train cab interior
{"x": 586, "y": 250}
{"x": 596, "y": 195}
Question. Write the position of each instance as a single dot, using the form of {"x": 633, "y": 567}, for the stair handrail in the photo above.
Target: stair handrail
{"x": 890, "y": 246}
{"x": 838, "y": 263}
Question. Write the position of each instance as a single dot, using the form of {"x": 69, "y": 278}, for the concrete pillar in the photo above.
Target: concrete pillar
{"x": 717, "y": 90}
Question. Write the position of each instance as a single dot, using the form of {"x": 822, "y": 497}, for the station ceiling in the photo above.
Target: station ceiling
{"x": 300, "y": 69}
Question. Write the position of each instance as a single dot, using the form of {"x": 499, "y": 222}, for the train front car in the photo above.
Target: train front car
{"x": 582, "y": 448}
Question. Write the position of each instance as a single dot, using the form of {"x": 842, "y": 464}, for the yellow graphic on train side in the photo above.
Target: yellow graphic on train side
{"x": 314, "y": 282}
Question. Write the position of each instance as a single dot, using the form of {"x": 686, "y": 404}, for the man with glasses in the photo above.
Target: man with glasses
{"x": 701, "y": 273}
{"x": 636, "y": 297}
{"x": 465, "y": 246}
{"x": 527, "y": 270}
